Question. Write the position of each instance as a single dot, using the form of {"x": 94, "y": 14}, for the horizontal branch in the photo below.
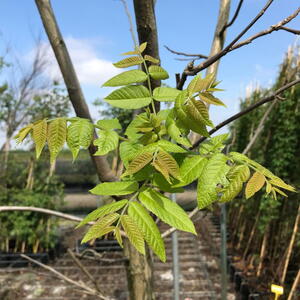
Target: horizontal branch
{"x": 247, "y": 110}
{"x": 185, "y": 54}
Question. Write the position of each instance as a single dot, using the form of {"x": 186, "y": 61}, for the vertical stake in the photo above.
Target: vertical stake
{"x": 176, "y": 271}
{"x": 223, "y": 253}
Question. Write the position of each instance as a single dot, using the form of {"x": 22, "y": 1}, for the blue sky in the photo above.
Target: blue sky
{"x": 97, "y": 31}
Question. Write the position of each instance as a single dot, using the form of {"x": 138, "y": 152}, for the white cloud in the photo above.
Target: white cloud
{"x": 91, "y": 69}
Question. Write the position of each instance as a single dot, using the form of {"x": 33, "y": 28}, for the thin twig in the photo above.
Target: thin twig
{"x": 291, "y": 30}
{"x": 81, "y": 285}
{"x": 99, "y": 257}
{"x": 247, "y": 110}
{"x": 84, "y": 270}
{"x": 234, "y": 16}
{"x": 217, "y": 56}
{"x": 259, "y": 128}
{"x": 185, "y": 54}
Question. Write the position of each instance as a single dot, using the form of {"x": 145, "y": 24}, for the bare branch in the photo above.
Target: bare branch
{"x": 185, "y": 54}
{"x": 79, "y": 284}
{"x": 259, "y": 128}
{"x": 84, "y": 270}
{"x": 234, "y": 16}
{"x": 291, "y": 30}
{"x": 217, "y": 56}
{"x": 247, "y": 110}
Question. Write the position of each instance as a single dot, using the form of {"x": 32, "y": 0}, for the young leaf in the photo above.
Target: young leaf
{"x": 101, "y": 227}
{"x": 107, "y": 141}
{"x": 212, "y": 174}
{"x": 236, "y": 176}
{"x": 168, "y": 163}
{"x": 23, "y": 133}
{"x": 115, "y": 188}
{"x": 191, "y": 169}
{"x": 142, "y": 47}
{"x": 39, "y": 136}
{"x": 198, "y": 84}
{"x": 79, "y": 134}
{"x": 160, "y": 182}
{"x": 129, "y": 97}
{"x": 56, "y": 136}
{"x": 165, "y": 94}
{"x": 127, "y": 77}
{"x": 128, "y": 151}
{"x": 280, "y": 183}
{"x": 255, "y": 183}
{"x": 133, "y": 233}
{"x": 213, "y": 145}
{"x": 148, "y": 228}
{"x": 210, "y": 99}
{"x": 151, "y": 59}
{"x": 138, "y": 163}
{"x": 109, "y": 124}
{"x": 168, "y": 211}
{"x": 162, "y": 170}
{"x": 197, "y": 110}
{"x": 128, "y": 62}
{"x": 158, "y": 73}
{"x": 102, "y": 211}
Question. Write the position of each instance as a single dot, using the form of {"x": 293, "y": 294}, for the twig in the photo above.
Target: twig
{"x": 291, "y": 30}
{"x": 81, "y": 285}
{"x": 217, "y": 56}
{"x": 234, "y": 16}
{"x": 247, "y": 110}
{"x": 98, "y": 257}
{"x": 259, "y": 128}
{"x": 185, "y": 54}
{"x": 84, "y": 270}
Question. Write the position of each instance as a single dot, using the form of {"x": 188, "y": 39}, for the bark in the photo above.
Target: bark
{"x": 139, "y": 273}
{"x": 147, "y": 32}
{"x": 294, "y": 286}
{"x": 71, "y": 81}
{"x": 220, "y": 34}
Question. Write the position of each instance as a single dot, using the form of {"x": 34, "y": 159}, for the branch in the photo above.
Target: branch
{"x": 247, "y": 110}
{"x": 80, "y": 284}
{"x": 186, "y": 54}
{"x": 234, "y": 16}
{"x": 217, "y": 56}
{"x": 291, "y": 30}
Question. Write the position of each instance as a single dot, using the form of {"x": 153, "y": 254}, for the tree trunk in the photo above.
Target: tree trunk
{"x": 147, "y": 32}
{"x": 70, "y": 78}
{"x": 139, "y": 273}
{"x": 262, "y": 252}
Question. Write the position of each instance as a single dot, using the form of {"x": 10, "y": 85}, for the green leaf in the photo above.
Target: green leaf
{"x": 191, "y": 169}
{"x": 101, "y": 227}
{"x": 133, "y": 233}
{"x": 129, "y": 97}
{"x": 128, "y": 77}
{"x": 213, "y": 145}
{"x": 160, "y": 182}
{"x": 148, "y": 228}
{"x": 23, "y": 133}
{"x": 107, "y": 141}
{"x": 128, "y": 151}
{"x": 170, "y": 147}
{"x": 80, "y": 134}
{"x": 102, "y": 211}
{"x": 158, "y": 73}
{"x": 39, "y": 135}
{"x": 109, "y": 124}
{"x": 168, "y": 211}
{"x": 236, "y": 176}
{"x": 135, "y": 52}
{"x": 198, "y": 111}
{"x": 210, "y": 99}
{"x": 212, "y": 174}
{"x": 138, "y": 163}
{"x": 115, "y": 188}
{"x": 128, "y": 62}
{"x": 151, "y": 59}
{"x": 118, "y": 236}
{"x": 255, "y": 183}
{"x": 165, "y": 94}
{"x": 168, "y": 163}
{"x": 56, "y": 136}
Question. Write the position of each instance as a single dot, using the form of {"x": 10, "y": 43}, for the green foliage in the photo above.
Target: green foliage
{"x": 155, "y": 155}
